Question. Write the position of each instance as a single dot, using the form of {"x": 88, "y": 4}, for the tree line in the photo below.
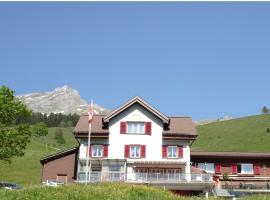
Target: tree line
{"x": 51, "y": 120}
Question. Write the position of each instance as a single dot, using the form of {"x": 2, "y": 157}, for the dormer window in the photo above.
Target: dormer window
{"x": 136, "y": 127}
{"x": 142, "y": 128}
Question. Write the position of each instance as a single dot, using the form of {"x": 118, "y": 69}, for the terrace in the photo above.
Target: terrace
{"x": 143, "y": 177}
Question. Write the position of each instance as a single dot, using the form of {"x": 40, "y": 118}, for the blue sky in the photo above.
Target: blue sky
{"x": 204, "y": 60}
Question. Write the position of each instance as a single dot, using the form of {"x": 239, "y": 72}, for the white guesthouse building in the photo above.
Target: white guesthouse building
{"x": 136, "y": 141}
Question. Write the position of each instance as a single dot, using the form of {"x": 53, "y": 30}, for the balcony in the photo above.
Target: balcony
{"x": 143, "y": 177}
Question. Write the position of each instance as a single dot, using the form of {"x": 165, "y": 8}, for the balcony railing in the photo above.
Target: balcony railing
{"x": 143, "y": 177}
{"x": 247, "y": 186}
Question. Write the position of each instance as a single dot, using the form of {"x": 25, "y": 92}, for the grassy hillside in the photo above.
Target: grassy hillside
{"x": 27, "y": 170}
{"x": 242, "y": 134}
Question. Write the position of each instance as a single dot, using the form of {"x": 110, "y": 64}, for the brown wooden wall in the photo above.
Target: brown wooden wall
{"x": 227, "y": 162}
{"x": 60, "y": 166}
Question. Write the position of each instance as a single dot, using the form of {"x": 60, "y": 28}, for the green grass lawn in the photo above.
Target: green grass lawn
{"x": 103, "y": 191}
{"x": 242, "y": 134}
{"x": 26, "y": 170}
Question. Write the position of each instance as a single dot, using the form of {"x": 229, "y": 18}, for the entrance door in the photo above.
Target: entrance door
{"x": 62, "y": 178}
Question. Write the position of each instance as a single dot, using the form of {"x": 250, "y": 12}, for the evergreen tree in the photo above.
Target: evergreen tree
{"x": 58, "y": 136}
{"x": 265, "y": 110}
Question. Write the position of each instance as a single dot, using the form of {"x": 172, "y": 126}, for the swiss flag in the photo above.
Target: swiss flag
{"x": 90, "y": 112}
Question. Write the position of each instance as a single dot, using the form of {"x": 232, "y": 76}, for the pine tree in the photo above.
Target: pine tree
{"x": 265, "y": 110}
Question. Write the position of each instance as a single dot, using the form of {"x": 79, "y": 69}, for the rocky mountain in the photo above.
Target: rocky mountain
{"x": 64, "y": 100}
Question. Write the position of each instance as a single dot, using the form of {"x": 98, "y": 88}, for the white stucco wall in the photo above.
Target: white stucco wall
{"x": 153, "y": 142}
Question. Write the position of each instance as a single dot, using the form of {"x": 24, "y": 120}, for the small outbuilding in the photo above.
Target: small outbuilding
{"x": 60, "y": 166}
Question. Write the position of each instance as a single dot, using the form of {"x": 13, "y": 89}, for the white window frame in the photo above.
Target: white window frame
{"x": 131, "y": 127}
{"x": 98, "y": 155}
{"x": 172, "y": 147}
{"x": 137, "y": 147}
{"x": 208, "y": 167}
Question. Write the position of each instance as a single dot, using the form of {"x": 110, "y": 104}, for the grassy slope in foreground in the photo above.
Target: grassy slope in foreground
{"x": 103, "y": 191}
{"x": 26, "y": 170}
{"x": 242, "y": 134}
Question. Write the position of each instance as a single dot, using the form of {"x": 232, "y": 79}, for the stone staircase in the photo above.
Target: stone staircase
{"x": 217, "y": 192}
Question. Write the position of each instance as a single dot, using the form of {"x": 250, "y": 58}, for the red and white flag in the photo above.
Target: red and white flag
{"x": 90, "y": 112}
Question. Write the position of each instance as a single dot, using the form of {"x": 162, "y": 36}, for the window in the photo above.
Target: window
{"x": 135, "y": 151}
{"x": 245, "y": 168}
{"x": 136, "y": 127}
{"x": 172, "y": 152}
{"x": 208, "y": 167}
{"x": 97, "y": 151}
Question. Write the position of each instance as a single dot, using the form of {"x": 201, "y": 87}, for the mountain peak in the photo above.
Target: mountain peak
{"x": 63, "y": 99}
{"x": 63, "y": 88}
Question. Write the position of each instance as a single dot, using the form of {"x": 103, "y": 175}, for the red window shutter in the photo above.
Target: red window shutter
{"x": 143, "y": 151}
{"x": 217, "y": 168}
{"x": 123, "y": 127}
{"x": 148, "y": 128}
{"x": 105, "y": 151}
{"x": 234, "y": 168}
{"x": 180, "y": 151}
{"x": 256, "y": 169}
{"x": 164, "y": 151}
{"x": 127, "y": 147}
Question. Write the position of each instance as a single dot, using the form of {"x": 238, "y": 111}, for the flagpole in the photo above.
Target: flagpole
{"x": 88, "y": 143}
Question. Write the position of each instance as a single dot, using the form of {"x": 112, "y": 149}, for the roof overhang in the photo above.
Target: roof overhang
{"x": 59, "y": 154}
{"x": 178, "y": 136}
{"x": 83, "y": 134}
{"x": 133, "y": 101}
{"x": 157, "y": 164}
{"x": 229, "y": 155}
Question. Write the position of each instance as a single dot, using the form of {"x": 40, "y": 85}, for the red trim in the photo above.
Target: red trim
{"x": 143, "y": 151}
{"x": 148, "y": 128}
{"x": 234, "y": 168}
{"x": 180, "y": 151}
{"x": 164, "y": 151}
{"x": 123, "y": 127}
{"x": 256, "y": 169}
{"x": 218, "y": 168}
{"x": 127, "y": 150}
{"x": 105, "y": 151}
